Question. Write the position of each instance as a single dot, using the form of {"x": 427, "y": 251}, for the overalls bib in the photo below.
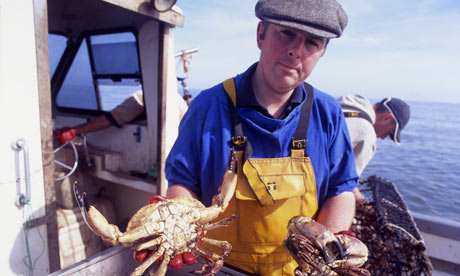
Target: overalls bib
{"x": 269, "y": 192}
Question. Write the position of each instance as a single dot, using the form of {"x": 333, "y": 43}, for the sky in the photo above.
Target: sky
{"x": 408, "y": 49}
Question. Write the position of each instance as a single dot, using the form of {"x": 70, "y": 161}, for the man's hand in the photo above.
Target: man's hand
{"x": 65, "y": 134}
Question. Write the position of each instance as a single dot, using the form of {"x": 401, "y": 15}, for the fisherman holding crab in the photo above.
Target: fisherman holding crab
{"x": 290, "y": 139}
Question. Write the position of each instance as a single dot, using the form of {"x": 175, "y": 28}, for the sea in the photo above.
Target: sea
{"x": 425, "y": 167}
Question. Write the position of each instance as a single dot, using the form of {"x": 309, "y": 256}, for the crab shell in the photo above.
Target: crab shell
{"x": 318, "y": 251}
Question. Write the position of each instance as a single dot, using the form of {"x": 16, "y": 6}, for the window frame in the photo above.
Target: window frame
{"x": 67, "y": 59}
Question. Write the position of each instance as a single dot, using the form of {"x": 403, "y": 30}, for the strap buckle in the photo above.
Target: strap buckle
{"x": 353, "y": 114}
{"x": 239, "y": 140}
{"x": 299, "y": 144}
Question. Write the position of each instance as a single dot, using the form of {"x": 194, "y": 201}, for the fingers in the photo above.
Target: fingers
{"x": 189, "y": 258}
{"x": 176, "y": 262}
{"x": 157, "y": 198}
{"x": 346, "y": 232}
{"x": 65, "y": 134}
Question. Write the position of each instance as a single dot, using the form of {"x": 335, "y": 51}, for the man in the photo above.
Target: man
{"x": 128, "y": 110}
{"x": 283, "y": 170}
{"x": 366, "y": 122}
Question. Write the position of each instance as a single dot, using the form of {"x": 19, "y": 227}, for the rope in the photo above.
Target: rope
{"x": 28, "y": 212}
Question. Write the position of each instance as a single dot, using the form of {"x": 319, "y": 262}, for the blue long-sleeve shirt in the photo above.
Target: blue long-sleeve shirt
{"x": 200, "y": 154}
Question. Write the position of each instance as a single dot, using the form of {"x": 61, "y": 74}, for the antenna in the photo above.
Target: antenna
{"x": 185, "y": 57}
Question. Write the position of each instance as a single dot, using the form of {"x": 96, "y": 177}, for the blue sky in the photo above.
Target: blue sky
{"x": 408, "y": 49}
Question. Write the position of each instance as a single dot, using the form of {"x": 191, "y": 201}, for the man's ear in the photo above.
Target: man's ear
{"x": 260, "y": 30}
{"x": 325, "y": 47}
{"x": 389, "y": 116}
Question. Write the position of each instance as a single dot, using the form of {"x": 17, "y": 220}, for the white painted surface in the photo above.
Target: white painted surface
{"x": 442, "y": 248}
{"x": 19, "y": 115}
{"x": 148, "y": 50}
{"x": 172, "y": 101}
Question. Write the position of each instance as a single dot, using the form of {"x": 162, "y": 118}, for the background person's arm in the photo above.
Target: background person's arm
{"x": 96, "y": 124}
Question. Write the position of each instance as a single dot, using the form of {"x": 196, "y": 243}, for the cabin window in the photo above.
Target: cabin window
{"x": 58, "y": 44}
{"x": 103, "y": 73}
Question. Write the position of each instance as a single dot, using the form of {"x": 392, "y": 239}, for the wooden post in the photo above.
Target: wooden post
{"x": 162, "y": 93}
{"x": 43, "y": 75}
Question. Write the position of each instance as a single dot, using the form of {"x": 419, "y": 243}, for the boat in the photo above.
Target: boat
{"x": 121, "y": 46}
{"x": 442, "y": 241}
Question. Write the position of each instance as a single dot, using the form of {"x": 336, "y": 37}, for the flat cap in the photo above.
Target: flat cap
{"x": 324, "y": 18}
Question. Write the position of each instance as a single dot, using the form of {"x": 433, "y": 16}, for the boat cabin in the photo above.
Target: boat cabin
{"x": 64, "y": 63}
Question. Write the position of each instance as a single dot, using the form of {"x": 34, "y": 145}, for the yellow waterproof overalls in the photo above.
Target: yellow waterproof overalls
{"x": 269, "y": 192}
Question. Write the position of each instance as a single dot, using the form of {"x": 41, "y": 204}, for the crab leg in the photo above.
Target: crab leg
{"x": 221, "y": 223}
{"x": 224, "y": 245}
{"x": 213, "y": 265}
{"x": 164, "y": 266}
{"x": 151, "y": 243}
{"x": 150, "y": 260}
{"x": 297, "y": 245}
{"x": 214, "y": 261}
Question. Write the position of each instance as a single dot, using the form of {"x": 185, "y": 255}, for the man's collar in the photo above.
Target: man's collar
{"x": 247, "y": 98}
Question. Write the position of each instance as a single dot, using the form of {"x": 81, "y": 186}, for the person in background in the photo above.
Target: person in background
{"x": 290, "y": 139}
{"x": 124, "y": 113}
{"x": 366, "y": 122}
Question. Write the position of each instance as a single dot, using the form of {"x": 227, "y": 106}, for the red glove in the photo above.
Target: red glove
{"x": 189, "y": 258}
{"x": 347, "y": 232}
{"x": 64, "y": 134}
{"x": 156, "y": 198}
{"x": 178, "y": 260}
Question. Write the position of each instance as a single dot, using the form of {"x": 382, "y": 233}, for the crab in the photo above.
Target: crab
{"x": 170, "y": 228}
{"x": 318, "y": 251}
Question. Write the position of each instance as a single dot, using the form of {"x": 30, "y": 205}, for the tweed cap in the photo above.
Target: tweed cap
{"x": 324, "y": 18}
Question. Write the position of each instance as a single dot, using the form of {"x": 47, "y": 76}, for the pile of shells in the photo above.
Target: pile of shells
{"x": 392, "y": 250}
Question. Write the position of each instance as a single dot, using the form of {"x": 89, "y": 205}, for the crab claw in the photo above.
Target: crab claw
{"x": 82, "y": 199}
{"x": 318, "y": 234}
{"x": 356, "y": 252}
{"x": 95, "y": 220}
{"x": 228, "y": 184}
{"x": 341, "y": 252}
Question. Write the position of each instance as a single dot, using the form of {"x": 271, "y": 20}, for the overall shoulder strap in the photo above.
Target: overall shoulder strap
{"x": 238, "y": 138}
{"x": 299, "y": 139}
{"x": 356, "y": 114}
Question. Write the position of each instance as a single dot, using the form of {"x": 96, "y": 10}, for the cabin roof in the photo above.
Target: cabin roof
{"x": 79, "y": 16}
